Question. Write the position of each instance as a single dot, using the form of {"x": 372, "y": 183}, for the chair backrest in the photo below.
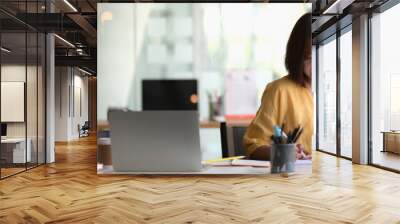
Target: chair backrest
{"x": 224, "y": 139}
{"x": 238, "y": 134}
{"x": 232, "y": 139}
{"x": 86, "y": 125}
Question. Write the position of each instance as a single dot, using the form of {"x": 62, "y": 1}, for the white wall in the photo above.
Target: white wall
{"x": 33, "y": 126}
{"x": 61, "y": 103}
{"x": 12, "y": 73}
{"x": 79, "y": 117}
{"x": 69, "y": 82}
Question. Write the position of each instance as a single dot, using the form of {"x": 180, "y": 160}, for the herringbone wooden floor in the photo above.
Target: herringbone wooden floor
{"x": 69, "y": 191}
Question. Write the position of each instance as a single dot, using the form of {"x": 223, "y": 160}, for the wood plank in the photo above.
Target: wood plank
{"x": 70, "y": 191}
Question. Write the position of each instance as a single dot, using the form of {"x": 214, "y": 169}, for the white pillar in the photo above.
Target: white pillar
{"x": 63, "y": 104}
{"x": 50, "y": 99}
{"x": 360, "y": 90}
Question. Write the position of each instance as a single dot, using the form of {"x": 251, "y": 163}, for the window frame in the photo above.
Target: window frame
{"x": 333, "y": 37}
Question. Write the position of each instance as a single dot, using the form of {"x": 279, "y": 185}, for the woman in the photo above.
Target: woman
{"x": 287, "y": 100}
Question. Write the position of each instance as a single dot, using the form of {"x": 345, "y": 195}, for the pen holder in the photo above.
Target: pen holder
{"x": 283, "y": 158}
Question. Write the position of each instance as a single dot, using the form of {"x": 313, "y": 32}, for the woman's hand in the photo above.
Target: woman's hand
{"x": 300, "y": 152}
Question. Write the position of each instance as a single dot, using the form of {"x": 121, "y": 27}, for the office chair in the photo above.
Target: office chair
{"x": 232, "y": 139}
{"x": 84, "y": 130}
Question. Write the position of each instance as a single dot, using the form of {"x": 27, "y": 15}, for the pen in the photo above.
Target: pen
{"x": 284, "y": 136}
{"x": 224, "y": 159}
{"x": 293, "y": 136}
{"x": 298, "y": 135}
{"x": 277, "y": 131}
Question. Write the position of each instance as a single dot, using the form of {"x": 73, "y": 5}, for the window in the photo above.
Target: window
{"x": 346, "y": 94}
{"x": 334, "y": 137}
{"x": 327, "y": 96}
{"x": 22, "y": 76}
{"x": 385, "y": 89}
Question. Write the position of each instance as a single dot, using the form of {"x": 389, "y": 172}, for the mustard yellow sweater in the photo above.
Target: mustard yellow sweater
{"x": 283, "y": 102}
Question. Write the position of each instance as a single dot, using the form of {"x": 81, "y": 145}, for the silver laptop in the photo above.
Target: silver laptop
{"x": 155, "y": 141}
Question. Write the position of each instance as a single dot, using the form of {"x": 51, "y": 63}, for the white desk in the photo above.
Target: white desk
{"x": 19, "y": 153}
{"x": 302, "y": 167}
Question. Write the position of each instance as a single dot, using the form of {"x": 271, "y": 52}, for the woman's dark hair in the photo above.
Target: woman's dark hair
{"x": 298, "y": 46}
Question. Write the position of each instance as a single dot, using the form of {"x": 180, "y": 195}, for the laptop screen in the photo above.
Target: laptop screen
{"x": 169, "y": 95}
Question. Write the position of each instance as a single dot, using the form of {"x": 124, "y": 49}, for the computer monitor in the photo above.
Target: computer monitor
{"x": 169, "y": 95}
{"x": 3, "y": 129}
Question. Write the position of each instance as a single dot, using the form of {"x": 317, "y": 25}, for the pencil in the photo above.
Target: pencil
{"x": 224, "y": 159}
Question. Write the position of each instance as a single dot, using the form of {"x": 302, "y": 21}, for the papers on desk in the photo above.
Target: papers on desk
{"x": 235, "y": 170}
{"x": 241, "y": 162}
{"x": 253, "y": 163}
{"x": 304, "y": 162}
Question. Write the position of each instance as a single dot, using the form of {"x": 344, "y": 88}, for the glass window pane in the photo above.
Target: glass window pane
{"x": 385, "y": 89}
{"x": 13, "y": 86}
{"x": 346, "y": 94}
{"x": 22, "y": 90}
{"x": 327, "y": 96}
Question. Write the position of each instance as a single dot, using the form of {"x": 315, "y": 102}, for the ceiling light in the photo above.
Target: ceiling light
{"x": 84, "y": 71}
{"x": 106, "y": 16}
{"x": 70, "y": 5}
{"x": 5, "y": 50}
{"x": 331, "y": 7}
{"x": 79, "y": 51}
{"x": 65, "y": 41}
{"x": 337, "y": 7}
